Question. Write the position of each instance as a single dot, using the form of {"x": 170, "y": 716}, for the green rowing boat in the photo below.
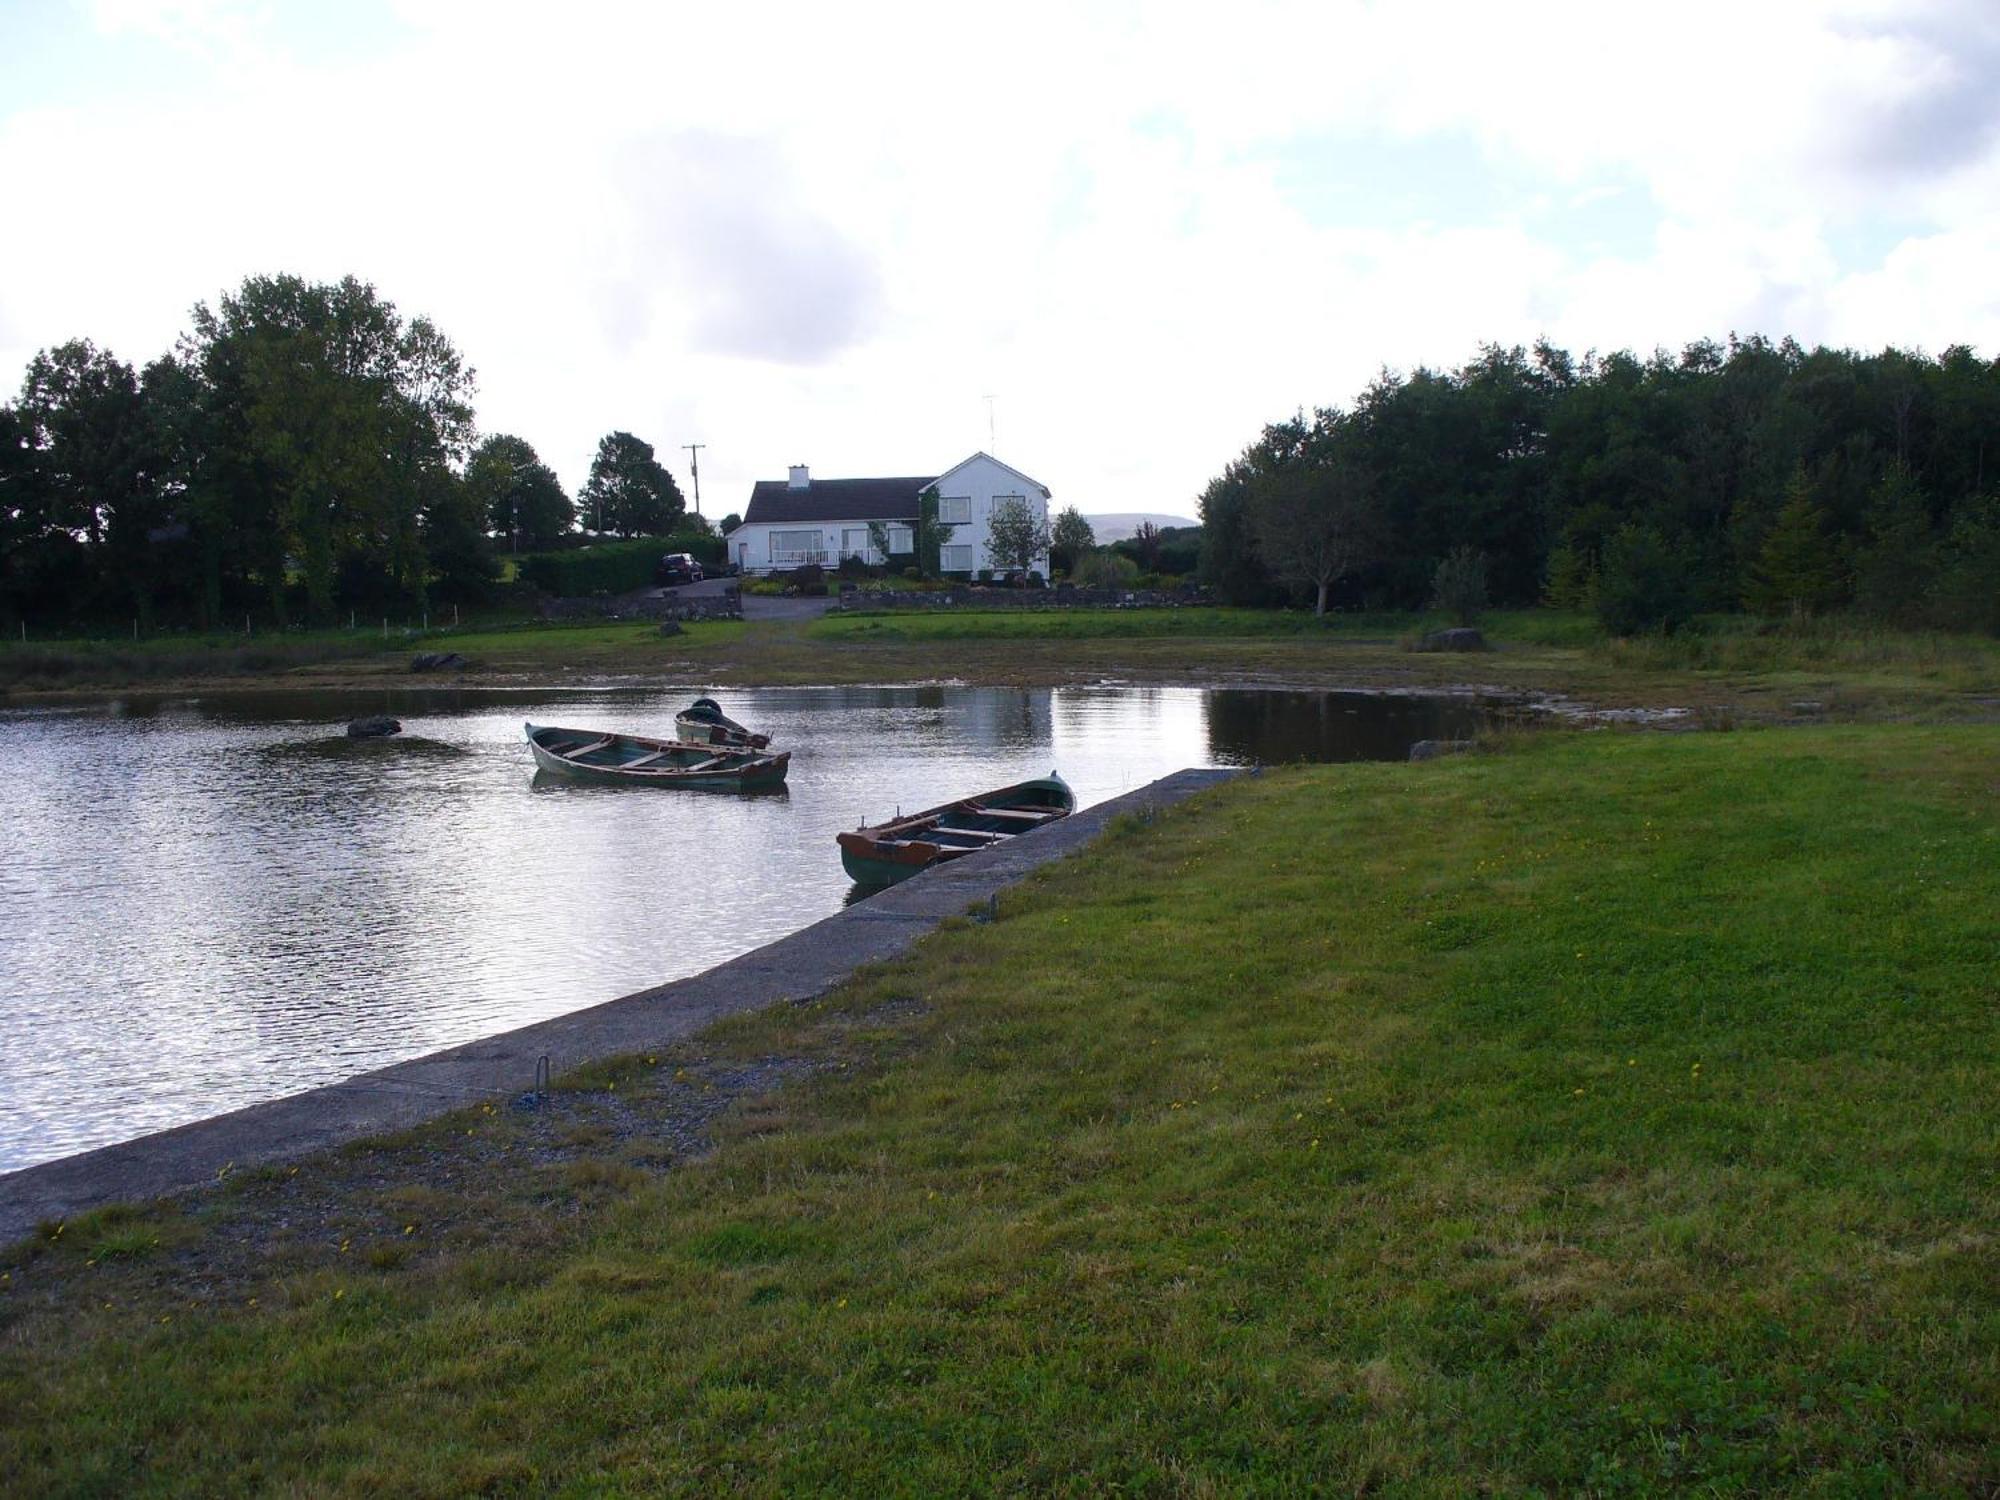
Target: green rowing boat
{"x": 898, "y": 849}
{"x": 635, "y": 760}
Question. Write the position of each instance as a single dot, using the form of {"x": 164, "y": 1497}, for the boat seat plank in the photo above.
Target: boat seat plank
{"x": 646, "y": 760}
{"x": 586, "y": 747}
{"x": 1017, "y": 814}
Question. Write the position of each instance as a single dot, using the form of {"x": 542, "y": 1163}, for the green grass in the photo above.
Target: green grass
{"x": 1855, "y": 648}
{"x": 1612, "y": 1115}
{"x": 957, "y": 624}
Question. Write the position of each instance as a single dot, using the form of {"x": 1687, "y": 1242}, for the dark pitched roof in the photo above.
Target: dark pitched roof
{"x": 836, "y": 500}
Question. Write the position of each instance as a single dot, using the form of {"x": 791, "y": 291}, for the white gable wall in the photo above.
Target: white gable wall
{"x": 980, "y": 482}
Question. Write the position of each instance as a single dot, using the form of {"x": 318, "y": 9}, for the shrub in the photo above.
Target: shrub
{"x": 1106, "y": 569}
{"x": 1459, "y": 585}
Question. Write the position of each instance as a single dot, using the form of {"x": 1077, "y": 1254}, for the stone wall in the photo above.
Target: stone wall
{"x": 725, "y": 606}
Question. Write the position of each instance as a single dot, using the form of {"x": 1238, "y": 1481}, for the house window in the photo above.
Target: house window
{"x": 854, "y": 542}
{"x": 902, "y": 539}
{"x": 956, "y": 559}
{"x": 955, "y": 510}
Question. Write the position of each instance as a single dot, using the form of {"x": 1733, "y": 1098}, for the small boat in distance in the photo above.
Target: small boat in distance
{"x": 703, "y": 722}
{"x": 635, "y": 760}
{"x": 893, "y": 851}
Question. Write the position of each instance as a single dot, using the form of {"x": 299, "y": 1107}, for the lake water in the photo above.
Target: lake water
{"x": 208, "y": 901}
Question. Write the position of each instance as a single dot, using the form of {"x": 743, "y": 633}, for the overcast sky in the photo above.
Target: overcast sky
{"x": 828, "y": 234}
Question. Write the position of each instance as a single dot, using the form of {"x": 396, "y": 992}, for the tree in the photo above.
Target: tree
{"x": 326, "y": 423}
{"x": 1459, "y": 587}
{"x": 456, "y": 549}
{"x": 1967, "y": 594}
{"x": 518, "y": 496}
{"x": 1313, "y": 511}
{"x": 1146, "y": 541}
{"x": 1572, "y": 579}
{"x": 629, "y": 493}
{"x": 93, "y": 445}
{"x": 730, "y": 522}
{"x": 1798, "y": 568}
{"x": 1070, "y": 539}
{"x": 1896, "y": 569}
{"x": 1642, "y": 584}
{"x": 1230, "y": 563}
{"x": 930, "y": 534}
{"x": 1017, "y": 533}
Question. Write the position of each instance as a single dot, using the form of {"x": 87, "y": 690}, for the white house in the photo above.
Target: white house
{"x": 792, "y": 522}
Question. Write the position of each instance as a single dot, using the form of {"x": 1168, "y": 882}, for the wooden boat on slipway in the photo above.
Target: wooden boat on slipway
{"x": 703, "y": 722}
{"x": 888, "y": 852}
{"x": 635, "y": 760}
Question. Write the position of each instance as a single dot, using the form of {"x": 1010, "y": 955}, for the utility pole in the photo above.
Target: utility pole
{"x": 694, "y": 467}
{"x": 990, "y": 445}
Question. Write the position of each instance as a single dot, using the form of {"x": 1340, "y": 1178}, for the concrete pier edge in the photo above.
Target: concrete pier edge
{"x": 800, "y": 967}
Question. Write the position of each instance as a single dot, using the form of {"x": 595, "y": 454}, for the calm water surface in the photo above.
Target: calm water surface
{"x": 210, "y": 901}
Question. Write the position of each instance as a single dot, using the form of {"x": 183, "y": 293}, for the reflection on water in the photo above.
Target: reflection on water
{"x": 1247, "y": 728}
{"x": 207, "y": 902}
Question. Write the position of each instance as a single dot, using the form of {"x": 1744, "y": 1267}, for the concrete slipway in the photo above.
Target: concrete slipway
{"x": 799, "y": 967}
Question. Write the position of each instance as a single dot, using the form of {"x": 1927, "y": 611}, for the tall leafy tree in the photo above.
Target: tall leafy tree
{"x": 629, "y": 493}
{"x": 520, "y": 497}
{"x": 92, "y": 443}
{"x": 329, "y": 424}
{"x": 1313, "y": 509}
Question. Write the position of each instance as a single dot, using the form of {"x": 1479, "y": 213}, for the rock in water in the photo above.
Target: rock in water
{"x": 375, "y": 726}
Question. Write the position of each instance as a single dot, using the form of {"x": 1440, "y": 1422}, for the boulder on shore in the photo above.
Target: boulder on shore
{"x": 437, "y": 661}
{"x": 374, "y": 727}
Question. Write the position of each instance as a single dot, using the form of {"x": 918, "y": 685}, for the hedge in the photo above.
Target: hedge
{"x": 613, "y": 567}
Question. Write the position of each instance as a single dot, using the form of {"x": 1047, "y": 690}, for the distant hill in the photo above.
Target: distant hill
{"x": 1117, "y": 525}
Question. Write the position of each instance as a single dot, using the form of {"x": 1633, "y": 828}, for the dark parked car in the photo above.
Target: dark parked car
{"x": 676, "y": 568}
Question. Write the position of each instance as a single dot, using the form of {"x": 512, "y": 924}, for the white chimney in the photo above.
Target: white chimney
{"x": 801, "y": 478}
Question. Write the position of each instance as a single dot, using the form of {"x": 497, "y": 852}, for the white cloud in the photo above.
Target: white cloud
{"x": 826, "y": 234}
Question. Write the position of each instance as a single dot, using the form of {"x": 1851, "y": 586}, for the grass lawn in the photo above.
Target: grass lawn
{"x": 1612, "y": 1114}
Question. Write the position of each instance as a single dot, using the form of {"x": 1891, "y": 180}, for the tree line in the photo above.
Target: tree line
{"x": 1752, "y": 475}
{"x": 302, "y": 452}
